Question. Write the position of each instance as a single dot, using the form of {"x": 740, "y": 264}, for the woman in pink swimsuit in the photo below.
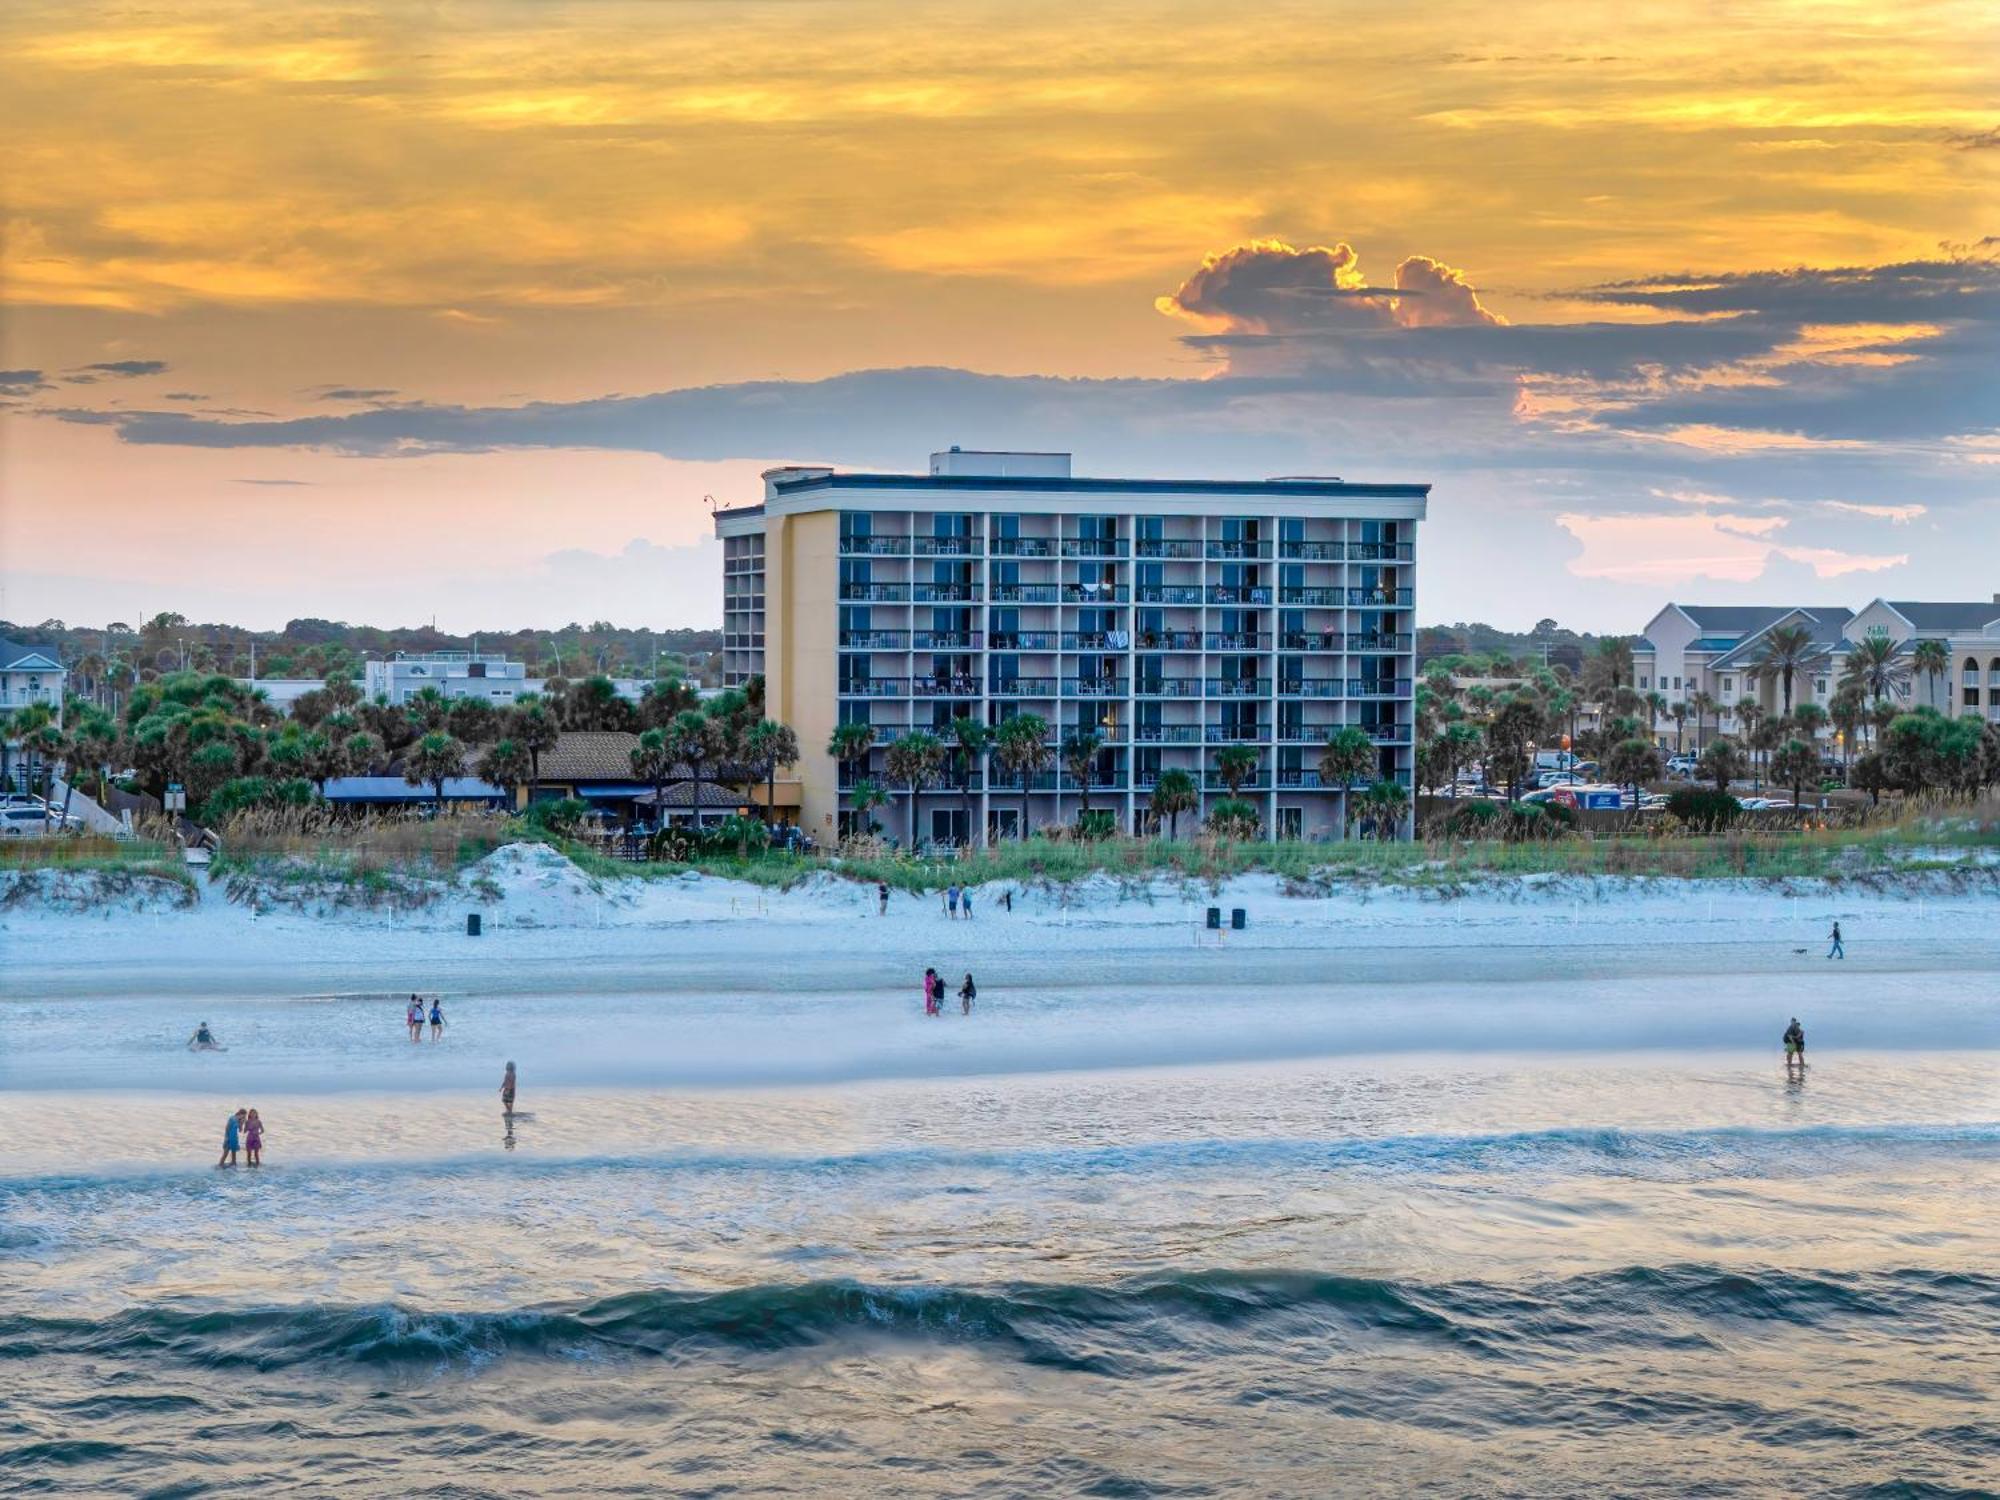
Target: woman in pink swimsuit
{"x": 253, "y": 1140}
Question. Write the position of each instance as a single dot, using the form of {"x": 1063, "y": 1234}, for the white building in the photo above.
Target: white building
{"x": 1170, "y": 618}
{"x": 30, "y": 675}
{"x": 464, "y": 674}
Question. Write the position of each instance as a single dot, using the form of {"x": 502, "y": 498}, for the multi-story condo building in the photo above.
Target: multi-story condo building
{"x": 1171, "y": 618}
{"x": 1690, "y": 648}
{"x": 459, "y": 674}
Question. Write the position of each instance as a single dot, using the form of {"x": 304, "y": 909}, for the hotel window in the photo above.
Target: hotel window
{"x": 1644, "y": 683}
{"x": 1729, "y": 684}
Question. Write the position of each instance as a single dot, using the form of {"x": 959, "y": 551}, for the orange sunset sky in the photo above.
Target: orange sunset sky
{"x": 380, "y": 312}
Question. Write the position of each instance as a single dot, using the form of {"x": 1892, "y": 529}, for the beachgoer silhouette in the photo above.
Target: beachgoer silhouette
{"x": 507, "y": 1081}
{"x": 232, "y": 1139}
{"x": 967, "y": 993}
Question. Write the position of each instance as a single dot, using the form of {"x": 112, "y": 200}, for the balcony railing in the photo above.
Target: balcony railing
{"x": 1238, "y": 734}
{"x": 1310, "y": 640}
{"x": 1237, "y": 687}
{"x": 1306, "y": 734}
{"x": 1380, "y": 552}
{"x": 876, "y": 687}
{"x": 875, "y": 546}
{"x": 1167, "y": 687}
{"x": 1097, "y": 640}
{"x": 876, "y": 593}
{"x": 874, "y": 640}
{"x": 1313, "y": 598}
{"x": 1223, "y": 593}
{"x": 1380, "y": 640}
{"x": 1081, "y": 546}
{"x": 1024, "y": 687}
{"x": 1312, "y": 687}
{"x": 27, "y": 697}
{"x": 945, "y": 546}
{"x": 1010, "y": 781}
{"x": 1213, "y": 782}
{"x": 1023, "y": 546}
{"x": 1107, "y": 734}
{"x": 1234, "y": 550}
{"x": 944, "y": 593}
{"x": 1237, "y": 640}
{"x": 961, "y": 686}
{"x": 1300, "y": 780}
{"x": 1312, "y": 551}
{"x": 1168, "y": 593}
{"x": 1378, "y": 687}
{"x": 1168, "y": 734}
{"x": 1026, "y": 593}
{"x": 1095, "y": 593}
{"x": 948, "y": 640}
{"x": 1093, "y": 687}
{"x": 1168, "y": 547}
{"x": 1022, "y": 640}
{"x": 1389, "y": 734}
{"x": 1168, "y": 640}
{"x": 1380, "y": 598}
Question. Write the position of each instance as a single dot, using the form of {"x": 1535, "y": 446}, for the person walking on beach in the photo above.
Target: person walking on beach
{"x": 930, "y": 992}
{"x": 1836, "y": 951}
{"x": 232, "y": 1139}
{"x": 507, "y": 1092}
{"x": 437, "y": 1019}
{"x": 967, "y": 993}
{"x": 881, "y": 898}
{"x": 414, "y": 1018}
{"x": 1795, "y": 1046}
{"x": 253, "y": 1139}
{"x": 965, "y": 900}
{"x": 951, "y": 901}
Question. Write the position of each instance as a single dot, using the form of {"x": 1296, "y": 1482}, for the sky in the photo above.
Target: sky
{"x": 464, "y": 310}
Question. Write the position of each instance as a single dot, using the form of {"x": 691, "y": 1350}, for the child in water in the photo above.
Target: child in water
{"x": 437, "y": 1020}
{"x": 253, "y": 1139}
{"x": 967, "y": 993}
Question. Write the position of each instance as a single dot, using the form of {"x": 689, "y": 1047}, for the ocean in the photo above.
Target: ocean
{"x": 972, "y": 1257}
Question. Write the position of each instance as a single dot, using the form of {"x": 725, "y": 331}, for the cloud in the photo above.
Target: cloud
{"x": 1900, "y": 515}
{"x": 350, "y": 393}
{"x": 183, "y": 396}
{"x": 1663, "y": 552}
{"x": 1270, "y": 287}
{"x": 22, "y": 382}
{"x": 116, "y": 369}
{"x": 274, "y": 482}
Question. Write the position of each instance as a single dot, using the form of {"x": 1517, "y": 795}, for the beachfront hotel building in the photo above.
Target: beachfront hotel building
{"x": 1172, "y": 618}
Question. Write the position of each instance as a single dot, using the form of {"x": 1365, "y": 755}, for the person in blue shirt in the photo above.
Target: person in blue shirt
{"x": 232, "y": 1139}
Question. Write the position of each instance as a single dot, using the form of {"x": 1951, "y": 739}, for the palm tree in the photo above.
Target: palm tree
{"x": 1236, "y": 764}
{"x": 428, "y": 709}
{"x": 1847, "y": 711}
{"x": 1631, "y": 762}
{"x": 1749, "y": 715}
{"x": 505, "y": 765}
{"x": 1610, "y": 665}
{"x": 1932, "y": 658}
{"x": 1788, "y": 650}
{"x": 1079, "y": 759}
{"x": 1794, "y": 765}
{"x": 1387, "y": 803}
{"x": 1722, "y": 763}
{"x": 1704, "y": 705}
{"x": 362, "y": 749}
{"x": 1678, "y": 712}
{"x": 1809, "y": 719}
{"x": 850, "y": 744}
{"x": 697, "y": 742}
{"x": 1347, "y": 756}
{"x": 1173, "y": 794}
{"x": 1656, "y": 704}
{"x": 1876, "y": 666}
{"x": 914, "y": 760}
{"x": 770, "y": 745}
{"x": 431, "y": 761}
{"x": 652, "y": 763}
{"x": 973, "y": 739}
{"x": 531, "y": 723}
{"x": 26, "y": 725}
{"x": 865, "y": 796}
{"x": 1022, "y": 746}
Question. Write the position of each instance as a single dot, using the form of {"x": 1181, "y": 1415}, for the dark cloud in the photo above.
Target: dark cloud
{"x": 1269, "y": 287}
{"x": 183, "y": 396}
{"x": 1963, "y": 283}
{"x": 350, "y": 393}
{"x": 1976, "y": 140}
{"x": 116, "y": 369}
{"x": 22, "y": 382}
{"x": 276, "y": 482}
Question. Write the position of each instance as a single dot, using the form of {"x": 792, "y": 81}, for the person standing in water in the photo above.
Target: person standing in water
{"x": 437, "y": 1019}
{"x": 253, "y": 1139}
{"x": 507, "y": 1092}
{"x": 967, "y": 993}
{"x": 1795, "y": 1046}
{"x": 232, "y": 1139}
{"x": 881, "y": 898}
{"x": 203, "y": 1040}
{"x": 414, "y": 1018}
{"x": 1836, "y": 951}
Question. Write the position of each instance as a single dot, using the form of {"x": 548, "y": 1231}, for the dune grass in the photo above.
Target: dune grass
{"x": 103, "y": 855}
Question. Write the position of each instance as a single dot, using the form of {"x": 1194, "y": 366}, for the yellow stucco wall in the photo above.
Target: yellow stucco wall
{"x": 801, "y": 634}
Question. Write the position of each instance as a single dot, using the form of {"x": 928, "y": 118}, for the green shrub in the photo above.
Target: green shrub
{"x": 1233, "y": 818}
{"x": 1098, "y": 823}
{"x": 1703, "y": 808}
{"x": 243, "y": 792}
{"x": 557, "y": 815}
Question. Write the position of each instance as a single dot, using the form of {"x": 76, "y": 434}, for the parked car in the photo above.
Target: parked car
{"x": 1548, "y": 779}
{"x": 1684, "y": 766}
{"x": 33, "y": 822}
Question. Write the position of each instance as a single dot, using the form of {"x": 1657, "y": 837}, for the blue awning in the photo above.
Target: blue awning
{"x": 609, "y": 791}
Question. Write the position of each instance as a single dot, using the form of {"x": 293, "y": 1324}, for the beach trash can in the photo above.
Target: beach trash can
{"x": 472, "y": 924}
{"x": 1215, "y": 919}
{"x": 1238, "y": 918}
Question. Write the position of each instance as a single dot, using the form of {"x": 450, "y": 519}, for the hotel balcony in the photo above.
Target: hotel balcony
{"x": 876, "y": 593}
{"x": 1026, "y": 593}
{"x": 1184, "y": 550}
{"x": 1312, "y": 640}
{"x": 948, "y": 640}
{"x": 1024, "y": 687}
{"x": 1256, "y": 596}
{"x": 876, "y": 687}
{"x": 1380, "y": 552}
{"x": 1237, "y": 640}
{"x": 1240, "y": 734}
{"x": 1095, "y": 593}
{"x": 1168, "y": 734}
{"x": 874, "y": 640}
{"x": 1022, "y": 640}
{"x": 1074, "y": 546}
{"x": 1237, "y": 687}
{"x": 1380, "y": 598}
{"x": 944, "y": 593}
{"x": 1023, "y": 546}
{"x": 1382, "y": 687}
{"x": 1093, "y": 687}
{"x": 874, "y": 546}
{"x": 1169, "y": 640}
{"x": 1168, "y": 593}
{"x": 1233, "y": 551}
{"x": 1312, "y": 551}
{"x": 1313, "y": 598}
{"x": 1381, "y": 640}
{"x": 1167, "y": 687}
{"x": 1312, "y": 687}
{"x": 945, "y": 546}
